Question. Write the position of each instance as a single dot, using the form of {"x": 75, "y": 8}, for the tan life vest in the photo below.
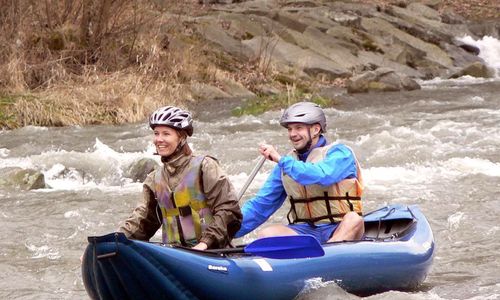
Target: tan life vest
{"x": 184, "y": 211}
{"x": 323, "y": 204}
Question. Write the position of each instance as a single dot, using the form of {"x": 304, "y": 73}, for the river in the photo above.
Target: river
{"x": 437, "y": 147}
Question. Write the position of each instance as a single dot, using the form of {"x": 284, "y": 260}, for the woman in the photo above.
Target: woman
{"x": 189, "y": 196}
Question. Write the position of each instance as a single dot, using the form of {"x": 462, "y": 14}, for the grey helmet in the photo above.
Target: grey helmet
{"x": 173, "y": 117}
{"x": 304, "y": 112}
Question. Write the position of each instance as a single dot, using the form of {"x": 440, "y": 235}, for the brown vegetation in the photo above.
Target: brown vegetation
{"x": 102, "y": 61}
{"x": 90, "y": 61}
{"x": 469, "y": 9}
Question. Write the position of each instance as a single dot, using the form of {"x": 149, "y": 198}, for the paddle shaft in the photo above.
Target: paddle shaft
{"x": 251, "y": 177}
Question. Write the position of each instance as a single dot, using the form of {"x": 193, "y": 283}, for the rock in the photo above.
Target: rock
{"x": 204, "y": 91}
{"x": 345, "y": 19}
{"x": 450, "y": 17}
{"x": 289, "y": 21}
{"x": 139, "y": 170}
{"x": 470, "y": 48}
{"x": 431, "y": 3}
{"x": 421, "y": 27}
{"x": 486, "y": 28}
{"x": 333, "y": 40}
{"x": 266, "y": 89}
{"x": 463, "y": 54}
{"x": 327, "y": 46}
{"x": 235, "y": 89}
{"x": 214, "y": 32}
{"x": 25, "y": 179}
{"x": 277, "y": 52}
{"x": 476, "y": 69}
{"x": 381, "y": 80}
{"x": 424, "y": 11}
{"x": 372, "y": 61}
{"x": 381, "y": 27}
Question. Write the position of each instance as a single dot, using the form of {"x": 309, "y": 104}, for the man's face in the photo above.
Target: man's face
{"x": 298, "y": 133}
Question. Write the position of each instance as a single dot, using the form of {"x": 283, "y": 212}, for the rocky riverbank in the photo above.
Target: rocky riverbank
{"x": 376, "y": 47}
{"x": 262, "y": 52}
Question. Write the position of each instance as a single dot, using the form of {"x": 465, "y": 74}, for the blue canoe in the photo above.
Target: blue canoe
{"x": 396, "y": 254}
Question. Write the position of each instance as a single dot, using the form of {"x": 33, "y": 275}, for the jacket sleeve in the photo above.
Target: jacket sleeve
{"x": 222, "y": 200}
{"x": 338, "y": 165}
{"x": 267, "y": 201}
{"x": 144, "y": 221}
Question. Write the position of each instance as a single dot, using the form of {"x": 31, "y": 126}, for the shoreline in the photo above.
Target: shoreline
{"x": 55, "y": 83}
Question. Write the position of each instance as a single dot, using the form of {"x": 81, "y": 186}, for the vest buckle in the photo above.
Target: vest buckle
{"x": 184, "y": 211}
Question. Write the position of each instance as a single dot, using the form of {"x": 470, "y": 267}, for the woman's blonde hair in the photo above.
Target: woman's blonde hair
{"x": 185, "y": 150}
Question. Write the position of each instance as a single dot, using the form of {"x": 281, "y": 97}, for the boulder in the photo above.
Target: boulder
{"x": 424, "y": 11}
{"x": 380, "y": 27}
{"x": 327, "y": 46}
{"x": 213, "y": 31}
{"x": 279, "y": 53}
{"x": 475, "y": 69}
{"x": 235, "y": 89}
{"x": 24, "y": 179}
{"x": 462, "y": 55}
{"x": 448, "y": 16}
{"x": 139, "y": 170}
{"x": 485, "y": 28}
{"x": 469, "y": 48}
{"x": 203, "y": 91}
{"x": 381, "y": 80}
{"x": 431, "y": 3}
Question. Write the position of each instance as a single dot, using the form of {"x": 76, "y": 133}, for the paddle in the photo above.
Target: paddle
{"x": 280, "y": 247}
{"x": 251, "y": 177}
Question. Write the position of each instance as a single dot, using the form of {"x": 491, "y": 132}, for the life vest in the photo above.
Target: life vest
{"x": 322, "y": 204}
{"x": 184, "y": 211}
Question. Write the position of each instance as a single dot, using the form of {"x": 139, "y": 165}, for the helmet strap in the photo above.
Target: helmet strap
{"x": 309, "y": 142}
{"x": 179, "y": 146}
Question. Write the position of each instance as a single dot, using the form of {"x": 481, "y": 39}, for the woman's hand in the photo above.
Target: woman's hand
{"x": 200, "y": 246}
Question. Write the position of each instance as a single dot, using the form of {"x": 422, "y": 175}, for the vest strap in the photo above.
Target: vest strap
{"x": 330, "y": 216}
{"x": 184, "y": 211}
{"x": 326, "y": 198}
{"x": 328, "y": 208}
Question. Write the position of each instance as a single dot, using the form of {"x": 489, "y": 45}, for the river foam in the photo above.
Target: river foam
{"x": 489, "y": 48}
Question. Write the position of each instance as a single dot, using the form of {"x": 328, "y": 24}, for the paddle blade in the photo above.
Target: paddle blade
{"x": 283, "y": 247}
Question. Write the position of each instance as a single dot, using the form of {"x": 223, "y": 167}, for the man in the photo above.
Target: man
{"x": 322, "y": 182}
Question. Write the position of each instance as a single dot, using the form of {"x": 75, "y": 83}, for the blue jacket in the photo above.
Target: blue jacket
{"x": 338, "y": 165}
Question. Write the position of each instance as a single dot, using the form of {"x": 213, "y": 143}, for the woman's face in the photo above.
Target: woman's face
{"x": 166, "y": 140}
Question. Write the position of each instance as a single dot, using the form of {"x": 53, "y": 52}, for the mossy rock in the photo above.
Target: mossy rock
{"x": 25, "y": 179}
{"x": 139, "y": 170}
{"x": 262, "y": 104}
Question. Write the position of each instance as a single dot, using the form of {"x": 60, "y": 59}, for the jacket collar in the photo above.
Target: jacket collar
{"x": 174, "y": 164}
{"x": 321, "y": 142}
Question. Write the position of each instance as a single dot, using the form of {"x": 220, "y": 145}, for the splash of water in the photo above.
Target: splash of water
{"x": 489, "y": 50}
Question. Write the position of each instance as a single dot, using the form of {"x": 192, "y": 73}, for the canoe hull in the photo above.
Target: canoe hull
{"x": 117, "y": 268}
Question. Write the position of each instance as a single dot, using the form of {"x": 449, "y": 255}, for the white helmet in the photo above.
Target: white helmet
{"x": 173, "y": 117}
{"x": 304, "y": 112}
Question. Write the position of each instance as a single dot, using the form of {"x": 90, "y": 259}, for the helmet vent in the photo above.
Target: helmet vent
{"x": 173, "y": 117}
{"x": 165, "y": 117}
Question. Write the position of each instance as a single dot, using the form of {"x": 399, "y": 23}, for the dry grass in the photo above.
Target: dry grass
{"x": 115, "y": 98}
{"x": 109, "y": 62}
{"x": 93, "y": 62}
{"x": 474, "y": 10}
